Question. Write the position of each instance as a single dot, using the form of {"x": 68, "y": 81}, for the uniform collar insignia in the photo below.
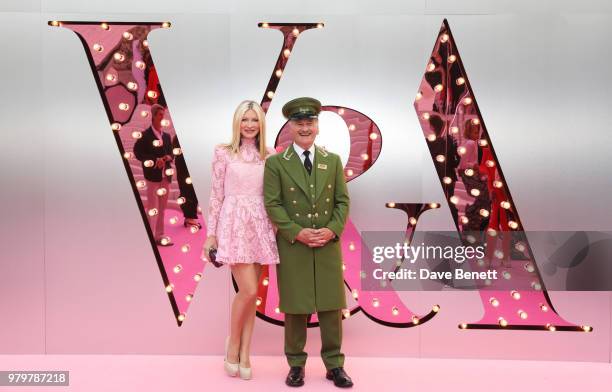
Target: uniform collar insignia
{"x": 288, "y": 153}
{"x": 322, "y": 150}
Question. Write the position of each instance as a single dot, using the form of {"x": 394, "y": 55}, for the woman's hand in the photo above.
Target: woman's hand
{"x": 211, "y": 242}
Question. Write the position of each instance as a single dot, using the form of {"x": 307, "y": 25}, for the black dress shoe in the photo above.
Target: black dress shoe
{"x": 341, "y": 379}
{"x": 295, "y": 378}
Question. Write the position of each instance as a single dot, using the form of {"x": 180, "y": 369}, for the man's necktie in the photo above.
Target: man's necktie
{"x": 307, "y": 163}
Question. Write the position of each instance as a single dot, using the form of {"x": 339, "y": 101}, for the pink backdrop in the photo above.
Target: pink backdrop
{"x": 73, "y": 283}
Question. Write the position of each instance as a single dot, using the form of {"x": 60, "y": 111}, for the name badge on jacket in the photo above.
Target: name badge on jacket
{"x": 322, "y": 166}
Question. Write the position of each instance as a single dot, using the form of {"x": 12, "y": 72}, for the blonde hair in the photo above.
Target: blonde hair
{"x": 242, "y": 108}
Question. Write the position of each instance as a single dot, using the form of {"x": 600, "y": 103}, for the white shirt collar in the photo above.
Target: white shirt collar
{"x": 300, "y": 151}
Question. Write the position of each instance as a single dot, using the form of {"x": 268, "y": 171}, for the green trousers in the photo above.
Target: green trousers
{"x": 330, "y": 323}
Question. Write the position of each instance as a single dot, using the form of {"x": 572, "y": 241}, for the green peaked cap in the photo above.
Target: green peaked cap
{"x": 300, "y": 108}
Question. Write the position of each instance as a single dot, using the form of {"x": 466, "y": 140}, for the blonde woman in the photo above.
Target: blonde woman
{"x": 238, "y": 225}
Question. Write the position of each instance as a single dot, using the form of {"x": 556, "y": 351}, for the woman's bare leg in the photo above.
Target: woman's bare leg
{"x": 243, "y": 304}
{"x": 247, "y": 330}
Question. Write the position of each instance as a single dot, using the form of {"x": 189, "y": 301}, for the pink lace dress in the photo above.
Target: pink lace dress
{"x": 236, "y": 212}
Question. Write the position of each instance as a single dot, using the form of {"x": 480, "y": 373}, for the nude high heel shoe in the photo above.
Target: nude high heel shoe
{"x": 230, "y": 368}
{"x": 245, "y": 372}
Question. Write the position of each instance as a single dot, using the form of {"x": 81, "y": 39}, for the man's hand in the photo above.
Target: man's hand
{"x": 323, "y": 236}
{"x": 315, "y": 238}
{"x": 305, "y": 236}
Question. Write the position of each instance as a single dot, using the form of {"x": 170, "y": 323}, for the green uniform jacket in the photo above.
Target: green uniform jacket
{"x": 309, "y": 279}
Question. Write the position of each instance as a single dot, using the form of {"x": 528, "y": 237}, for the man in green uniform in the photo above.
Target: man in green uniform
{"x": 306, "y": 198}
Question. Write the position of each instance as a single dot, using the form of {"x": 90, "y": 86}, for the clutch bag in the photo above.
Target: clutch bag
{"x": 212, "y": 257}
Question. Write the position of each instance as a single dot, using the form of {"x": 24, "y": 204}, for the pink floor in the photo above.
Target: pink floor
{"x": 93, "y": 373}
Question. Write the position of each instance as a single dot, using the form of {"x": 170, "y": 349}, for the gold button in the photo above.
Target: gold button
{"x": 316, "y": 214}
{"x": 327, "y": 200}
{"x": 296, "y": 214}
{"x": 310, "y": 215}
{"x": 325, "y": 212}
{"x": 294, "y": 202}
{"x": 314, "y": 206}
{"x": 312, "y": 196}
{"x": 314, "y": 226}
{"x": 292, "y": 189}
{"x": 312, "y": 186}
{"x": 329, "y": 186}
